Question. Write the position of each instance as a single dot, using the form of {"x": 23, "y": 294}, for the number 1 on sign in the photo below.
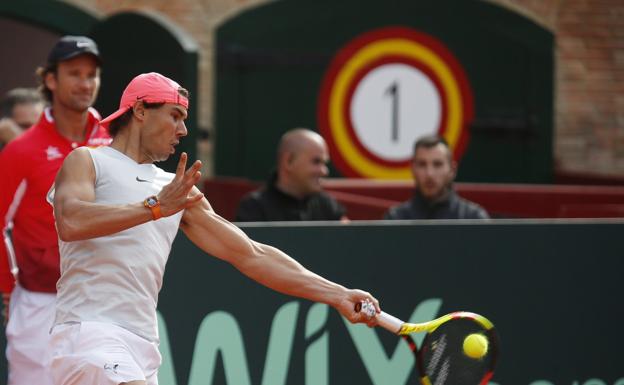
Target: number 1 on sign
{"x": 393, "y": 90}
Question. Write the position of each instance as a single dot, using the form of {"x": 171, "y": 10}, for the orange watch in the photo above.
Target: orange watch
{"x": 153, "y": 204}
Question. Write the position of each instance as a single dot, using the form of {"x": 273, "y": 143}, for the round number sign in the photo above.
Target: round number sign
{"x": 383, "y": 90}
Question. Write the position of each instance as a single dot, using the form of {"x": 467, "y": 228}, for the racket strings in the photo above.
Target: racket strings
{"x": 438, "y": 351}
{"x": 442, "y": 360}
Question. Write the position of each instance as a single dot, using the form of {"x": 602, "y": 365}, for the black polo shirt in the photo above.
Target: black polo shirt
{"x": 451, "y": 206}
{"x": 271, "y": 204}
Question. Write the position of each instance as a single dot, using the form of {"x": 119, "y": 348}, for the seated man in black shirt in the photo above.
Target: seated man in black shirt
{"x": 434, "y": 170}
{"x": 294, "y": 192}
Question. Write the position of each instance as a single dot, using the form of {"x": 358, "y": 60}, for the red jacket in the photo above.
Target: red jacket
{"x": 28, "y": 166}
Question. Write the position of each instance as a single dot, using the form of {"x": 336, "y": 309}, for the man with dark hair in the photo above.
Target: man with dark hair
{"x": 434, "y": 170}
{"x": 294, "y": 191}
{"x": 28, "y": 165}
{"x": 20, "y": 109}
{"x": 117, "y": 215}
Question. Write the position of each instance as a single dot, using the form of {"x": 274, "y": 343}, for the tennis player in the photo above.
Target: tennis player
{"x": 117, "y": 215}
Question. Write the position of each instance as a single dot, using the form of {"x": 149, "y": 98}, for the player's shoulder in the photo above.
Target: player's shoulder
{"x": 100, "y": 152}
{"x": 79, "y": 155}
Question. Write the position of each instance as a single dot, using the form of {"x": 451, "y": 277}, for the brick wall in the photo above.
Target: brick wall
{"x": 590, "y": 86}
{"x": 589, "y": 81}
{"x": 589, "y": 89}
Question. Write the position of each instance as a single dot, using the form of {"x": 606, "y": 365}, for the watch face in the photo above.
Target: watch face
{"x": 151, "y": 201}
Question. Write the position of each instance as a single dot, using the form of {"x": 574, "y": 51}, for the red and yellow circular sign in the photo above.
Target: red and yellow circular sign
{"x": 384, "y": 89}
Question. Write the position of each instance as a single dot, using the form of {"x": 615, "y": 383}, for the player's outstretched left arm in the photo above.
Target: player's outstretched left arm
{"x": 268, "y": 265}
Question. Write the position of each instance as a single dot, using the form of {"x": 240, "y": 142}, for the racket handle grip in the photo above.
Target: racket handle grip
{"x": 385, "y": 320}
{"x": 389, "y": 322}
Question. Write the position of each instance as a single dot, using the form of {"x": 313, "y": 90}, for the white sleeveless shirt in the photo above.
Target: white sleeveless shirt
{"x": 116, "y": 278}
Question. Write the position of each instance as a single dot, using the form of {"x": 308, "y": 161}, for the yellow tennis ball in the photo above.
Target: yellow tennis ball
{"x": 475, "y": 345}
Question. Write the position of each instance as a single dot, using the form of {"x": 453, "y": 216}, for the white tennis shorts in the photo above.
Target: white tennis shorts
{"x": 88, "y": 353}
{"x": 31, "y": 315}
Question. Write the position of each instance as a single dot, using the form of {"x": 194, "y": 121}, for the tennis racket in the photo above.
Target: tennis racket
{"x": 441, "y": 359}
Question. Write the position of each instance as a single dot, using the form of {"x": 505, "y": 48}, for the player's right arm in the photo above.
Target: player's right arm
{"x": 267, "y": 265}
{"x": 76, "y": 213}
{"x": 79, "y": 217}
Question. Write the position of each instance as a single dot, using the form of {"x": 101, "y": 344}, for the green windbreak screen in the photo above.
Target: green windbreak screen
{"x": 549, "y": 288}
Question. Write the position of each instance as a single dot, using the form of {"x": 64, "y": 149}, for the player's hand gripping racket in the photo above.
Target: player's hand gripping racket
{"x": 460, "y": 348}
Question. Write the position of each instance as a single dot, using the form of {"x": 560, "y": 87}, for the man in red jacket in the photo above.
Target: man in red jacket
{"x": 29, "y": 265}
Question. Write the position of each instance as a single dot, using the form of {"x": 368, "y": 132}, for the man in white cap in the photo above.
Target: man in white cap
{"x": 117, "y": 215}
